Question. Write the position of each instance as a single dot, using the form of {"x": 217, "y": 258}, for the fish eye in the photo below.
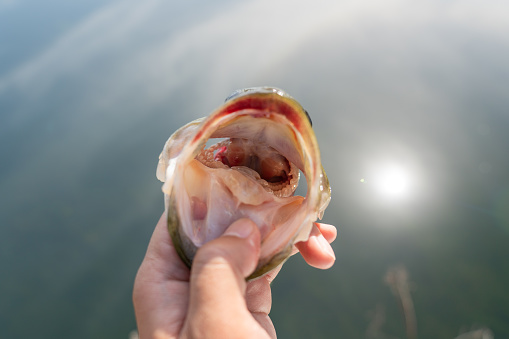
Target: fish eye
{"x": 309, "y": 118}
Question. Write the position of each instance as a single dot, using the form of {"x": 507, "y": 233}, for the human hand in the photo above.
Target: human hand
{"x": 213, "y": 300}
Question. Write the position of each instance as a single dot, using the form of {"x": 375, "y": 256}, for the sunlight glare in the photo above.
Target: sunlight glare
{"x": 393, "y": 182}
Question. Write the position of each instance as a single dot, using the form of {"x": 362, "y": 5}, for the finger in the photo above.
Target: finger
{"x": 218, "y": 284}
{"x": 259, "y": 301}
{"x": 329, "y": 232}
{"x": 258, "y": 296}
{"x": 161, "y": 258}
{"x": 317, "y": 251}
{"x": 271, "y": 275}
{"x": 160, "y": 285}
{"x": 265, "y": 322}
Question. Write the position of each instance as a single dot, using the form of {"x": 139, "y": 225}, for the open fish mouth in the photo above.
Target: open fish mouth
{"x": 263, "y": 140}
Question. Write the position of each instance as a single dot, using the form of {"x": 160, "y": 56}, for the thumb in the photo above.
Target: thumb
{"x": 217, "y": 283}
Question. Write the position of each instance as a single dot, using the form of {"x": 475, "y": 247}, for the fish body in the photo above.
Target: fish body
{"x": 264, "y": 140}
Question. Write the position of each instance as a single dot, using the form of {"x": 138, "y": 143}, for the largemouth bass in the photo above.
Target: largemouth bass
{"x": 264, "y": 139}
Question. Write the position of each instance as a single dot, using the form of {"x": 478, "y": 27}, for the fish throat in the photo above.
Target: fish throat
{"x": 258, "y": 161}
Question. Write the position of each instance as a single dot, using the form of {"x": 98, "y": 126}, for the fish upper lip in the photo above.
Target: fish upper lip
{"x": 261, "y": 89}
{"x": 264, "y": 89}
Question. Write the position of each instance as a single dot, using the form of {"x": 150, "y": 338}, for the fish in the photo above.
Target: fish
{"x": 244, "y": 160}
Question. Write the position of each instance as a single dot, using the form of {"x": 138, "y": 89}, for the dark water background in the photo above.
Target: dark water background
{"x": 90, "y": 91}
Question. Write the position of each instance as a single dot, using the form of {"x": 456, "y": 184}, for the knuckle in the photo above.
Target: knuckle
{"x": 213, "y": 258}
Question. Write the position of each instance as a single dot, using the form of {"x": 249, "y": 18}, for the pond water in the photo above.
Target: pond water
{"x": 409, "y": 103}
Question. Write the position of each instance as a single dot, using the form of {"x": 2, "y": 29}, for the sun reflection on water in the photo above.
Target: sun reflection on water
{"x": 392, "y": 181}
{"x": 389, "y": 181}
